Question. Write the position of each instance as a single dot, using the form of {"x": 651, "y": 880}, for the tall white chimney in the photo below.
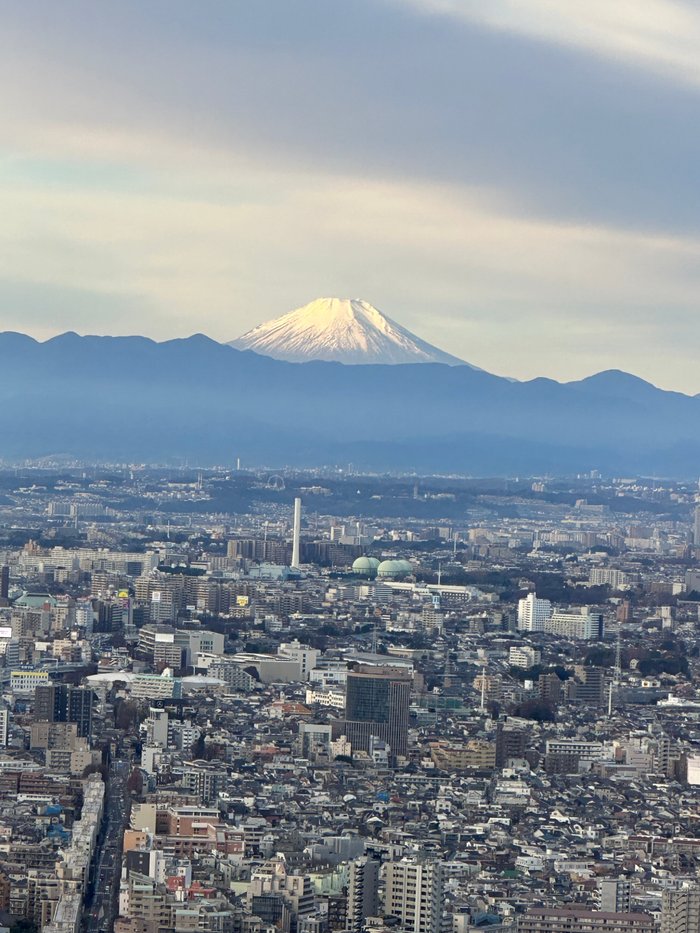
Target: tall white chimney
{"x": 297, "y": 533}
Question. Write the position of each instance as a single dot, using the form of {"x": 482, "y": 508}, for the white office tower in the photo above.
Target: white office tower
{"x": 615, "y": 895}
{"x": 533, "y": 613}
{"x": 363, "y": 893}
{"x": 297, "y": 533}
{"x": 414, "y": 892}
{"x": 696, "y": 527}
{"x": 680, "y": 910}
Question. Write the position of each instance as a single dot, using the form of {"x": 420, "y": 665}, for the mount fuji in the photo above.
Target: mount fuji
{"x": 340, "y": 330}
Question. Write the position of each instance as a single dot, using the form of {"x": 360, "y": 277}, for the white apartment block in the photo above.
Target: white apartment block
{"x": 524, "y": 656}
{"x": 533, "y": 613}
{"x": 584, "y": 625}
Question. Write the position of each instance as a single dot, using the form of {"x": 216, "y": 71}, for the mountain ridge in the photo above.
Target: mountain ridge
{"x": 134, "y": 399}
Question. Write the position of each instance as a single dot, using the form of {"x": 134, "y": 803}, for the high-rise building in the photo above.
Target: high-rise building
{"x": 303, "y": 654}
{"x": 533, "y": 613}
{"x": 680, "y": 910}
{"x": 623, "y": 613}
{"x": 589, "y": 686}
{"x": 414, "y": 892}
{"x": 80, "y": 701}
{"x": 615, "y": 895}
{"x": 157, "y": 727}
{"x": 571, "y": 756}
{"x": 550, "y": 688}
{"x": 363, "y": 893}
{"x": 510, "y": 743}
{"x": 63, "y": 703}
{"x": 376, "y": 704}
{"x": 50, "y": 703}
{"x": 696, "y": 526}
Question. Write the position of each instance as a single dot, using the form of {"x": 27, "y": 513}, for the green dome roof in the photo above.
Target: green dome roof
{"x": 367, "y": 566}
{"x": 394, "y": 568}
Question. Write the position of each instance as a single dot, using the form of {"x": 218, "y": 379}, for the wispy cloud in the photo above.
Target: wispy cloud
{"x": 660, "y": 35}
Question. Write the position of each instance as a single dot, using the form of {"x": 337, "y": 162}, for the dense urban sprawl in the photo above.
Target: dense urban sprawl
{"x": 244, "y": 702}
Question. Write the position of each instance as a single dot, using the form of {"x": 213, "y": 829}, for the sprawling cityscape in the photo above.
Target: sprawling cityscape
{"x": 348, "y": 702}
{"x": 349, "y": 466}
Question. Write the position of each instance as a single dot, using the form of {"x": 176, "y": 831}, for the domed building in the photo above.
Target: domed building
{"x": 394, "y": 569}
{"x": 366, "y": 567}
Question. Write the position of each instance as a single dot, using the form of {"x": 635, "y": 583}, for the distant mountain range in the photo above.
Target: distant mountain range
{"x": 341, "y": 330}
{"x": 131, "y": 399}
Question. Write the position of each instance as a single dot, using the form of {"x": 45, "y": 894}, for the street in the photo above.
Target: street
{"x": 101, "y": 906}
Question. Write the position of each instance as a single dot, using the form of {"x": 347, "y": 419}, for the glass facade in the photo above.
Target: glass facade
{"x": 377, "y": 705}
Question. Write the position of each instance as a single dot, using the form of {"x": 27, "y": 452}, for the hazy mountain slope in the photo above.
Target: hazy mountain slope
{"x": 130, "y": 398}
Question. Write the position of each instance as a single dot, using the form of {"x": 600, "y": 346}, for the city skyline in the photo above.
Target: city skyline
{"x": 347, "y": 704}
{"x": 510, "y": 184}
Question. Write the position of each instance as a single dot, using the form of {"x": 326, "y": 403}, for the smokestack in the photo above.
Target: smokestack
{"x": 297, "y": 533}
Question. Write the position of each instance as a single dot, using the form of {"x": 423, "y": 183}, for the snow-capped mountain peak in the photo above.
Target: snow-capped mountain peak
{"x": 343, "y": 330}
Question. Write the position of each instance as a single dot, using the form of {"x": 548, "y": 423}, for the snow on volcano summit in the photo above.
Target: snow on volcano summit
{"x": 343, "y": 330}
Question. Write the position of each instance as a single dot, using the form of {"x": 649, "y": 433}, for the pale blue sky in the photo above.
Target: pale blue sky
{"x": 515, "y": 180}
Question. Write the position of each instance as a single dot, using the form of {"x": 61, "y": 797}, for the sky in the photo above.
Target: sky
{"x": 515, "y": 181}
